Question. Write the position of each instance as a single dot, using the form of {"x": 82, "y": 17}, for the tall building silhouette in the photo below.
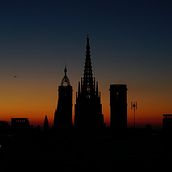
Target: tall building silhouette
{"x": 118, "y": 106}
{"x": 63, "y": 113}
{"x": 88, "y": 108}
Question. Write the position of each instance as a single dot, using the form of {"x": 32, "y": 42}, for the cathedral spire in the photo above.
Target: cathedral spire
{"x": 88, "y": 76}
{"x": 88, "y": 107}
{"x": 65, "y": 71}
{"x": 88, "y": 47}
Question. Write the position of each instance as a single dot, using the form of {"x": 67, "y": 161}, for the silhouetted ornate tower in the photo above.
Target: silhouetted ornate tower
{"x": 88, "y": 108}
{"x": 118, "y": 106}
{"x": 63, "y": 113}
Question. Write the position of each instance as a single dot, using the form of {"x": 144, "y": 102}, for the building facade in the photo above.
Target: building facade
{"x": 118, "y": 106}
{"x": 63, "y": 113}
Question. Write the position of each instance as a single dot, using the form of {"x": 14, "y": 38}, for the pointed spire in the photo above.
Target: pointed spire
{"x": 88, "y": 76}
{"x": 88, "y": 47}
{"x": 97, "y": 89}
{"x": 79, "y": 88}
{"x": 94, "y": 83}
{"x": 65, "y": 71}
{"x": 46, "y": 123}
{"x": 65, "y": 80}
{"x": 81, "y": 84}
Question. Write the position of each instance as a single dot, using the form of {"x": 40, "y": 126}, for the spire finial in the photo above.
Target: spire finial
{"x": 88, "y": 42}
{"x": 87, "y": 36}
{"x": 88, "y": 47}
{"x": 88, "y": 76}
{"x": 65, "y": 70}
{"x": 65, "y": 80}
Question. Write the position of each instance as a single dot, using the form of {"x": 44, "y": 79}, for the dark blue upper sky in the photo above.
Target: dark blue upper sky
{"x": 127, "y": 30}
{"x": 109, "y": 19}
{"x": 115, "y": 25}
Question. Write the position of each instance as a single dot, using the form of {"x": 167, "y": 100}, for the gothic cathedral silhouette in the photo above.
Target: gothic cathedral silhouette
{"x": 63, "y": 113}
{"x": 88, "y": 107}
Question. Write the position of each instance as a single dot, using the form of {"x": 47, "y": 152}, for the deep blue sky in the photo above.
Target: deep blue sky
{"x": 139, "y": 28}
{"x": 131, "y": 43}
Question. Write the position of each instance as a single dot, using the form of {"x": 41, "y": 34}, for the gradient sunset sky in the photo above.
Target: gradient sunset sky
{"x": 131, "y": 43}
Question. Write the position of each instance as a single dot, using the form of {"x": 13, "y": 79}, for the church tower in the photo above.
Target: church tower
{"x": 63, "y": 113}
{"x": 88, "y": 108}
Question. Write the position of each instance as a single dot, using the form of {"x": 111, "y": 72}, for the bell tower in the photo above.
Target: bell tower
{"x": 63, "y": 113}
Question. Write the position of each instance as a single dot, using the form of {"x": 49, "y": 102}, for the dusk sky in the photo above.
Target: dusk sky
{"x": 131, "y": 43}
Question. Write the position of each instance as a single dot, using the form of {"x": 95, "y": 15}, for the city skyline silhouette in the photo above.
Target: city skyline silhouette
{"x": 85, "y": 85}
{"x": 87, "y": 108}
{"x": 130, "y": 45}
{"x": 65, "y": 81}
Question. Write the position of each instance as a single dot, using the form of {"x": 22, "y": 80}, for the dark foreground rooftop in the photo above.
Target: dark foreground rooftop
{"x": 94, "y": 151}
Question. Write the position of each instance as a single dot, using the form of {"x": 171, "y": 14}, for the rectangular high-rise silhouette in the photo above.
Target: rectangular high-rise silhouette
{"x": 118, "y": 106}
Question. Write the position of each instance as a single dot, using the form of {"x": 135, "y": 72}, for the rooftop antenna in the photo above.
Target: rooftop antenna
{"x": 134, "y": 108}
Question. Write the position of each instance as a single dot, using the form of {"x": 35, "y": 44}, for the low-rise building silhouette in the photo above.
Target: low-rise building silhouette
{"x": 4, "y": 126}
{"x": 20, "y": 123}
{"x": 167, "y": 122}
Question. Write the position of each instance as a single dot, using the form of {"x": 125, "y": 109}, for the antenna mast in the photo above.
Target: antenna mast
{"x": 134, "y": 108}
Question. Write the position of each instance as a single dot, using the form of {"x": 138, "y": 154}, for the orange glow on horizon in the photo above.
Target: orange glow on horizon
{"x": 38, "y": 118}
{"x": 38, "y": 98}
